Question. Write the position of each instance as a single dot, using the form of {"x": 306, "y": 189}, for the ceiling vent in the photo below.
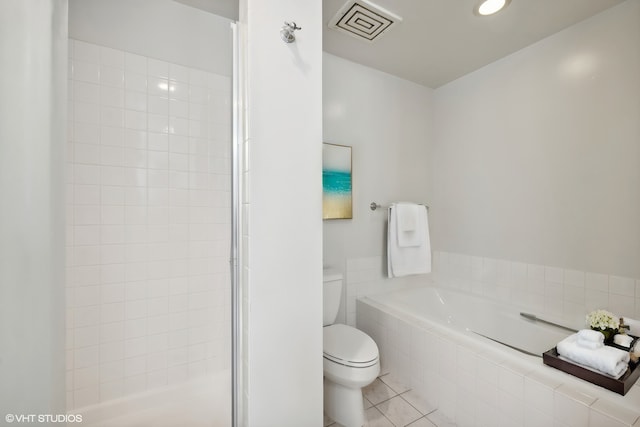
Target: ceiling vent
{"x": 364, "y": 20}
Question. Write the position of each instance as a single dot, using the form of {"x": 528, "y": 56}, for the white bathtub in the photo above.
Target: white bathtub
{"x": 471, "y": 313}
{"x": 429, "y": 339}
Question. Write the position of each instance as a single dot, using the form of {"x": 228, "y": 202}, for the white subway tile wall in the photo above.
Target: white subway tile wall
{"x": 148, "y": 220}
{"x": 548, "y": 290}
{"x": 366, "y": 276}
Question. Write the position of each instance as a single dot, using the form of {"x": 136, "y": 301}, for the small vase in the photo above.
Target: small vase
{"x": 608, "y": 333}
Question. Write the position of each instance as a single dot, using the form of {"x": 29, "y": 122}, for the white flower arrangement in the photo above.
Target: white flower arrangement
{"x": 602, "y": 319}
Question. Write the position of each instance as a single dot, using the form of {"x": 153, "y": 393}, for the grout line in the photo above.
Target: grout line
{"x": 424, "y": 415}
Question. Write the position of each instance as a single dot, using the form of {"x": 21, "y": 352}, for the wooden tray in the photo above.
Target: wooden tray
{"x": 621, "y": 385}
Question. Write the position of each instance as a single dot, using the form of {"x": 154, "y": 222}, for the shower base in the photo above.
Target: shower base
{"x": 202, "y": 402}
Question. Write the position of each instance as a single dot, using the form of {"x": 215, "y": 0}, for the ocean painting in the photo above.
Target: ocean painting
{"x": 336, "y": 182}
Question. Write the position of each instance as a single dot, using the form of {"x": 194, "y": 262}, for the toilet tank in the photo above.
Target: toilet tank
{"x": 331, "y": 295}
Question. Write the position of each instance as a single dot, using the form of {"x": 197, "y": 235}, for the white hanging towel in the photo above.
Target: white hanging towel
{"x": 410, "y": 232}
{"x": 411, "y": 253}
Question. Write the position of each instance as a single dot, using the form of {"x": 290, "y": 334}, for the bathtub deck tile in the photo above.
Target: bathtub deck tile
{"x": 546, "y": 377}
{"x": 467, "y": 359}
{"x": 625, "y": 416}
{"x": 539, "y": 394}
{"x": 511, "y": 407}
{"x": 511, "y": 382}
{"x": 633, "y": 396}
{"x": 518, "y": 366}
{"x": 488, "y": 370}
{"x": 571, "y": 406}
{"x": 536, "y": 418}
{"x": 577, "y": 393}
{"x": 597, "y": 419}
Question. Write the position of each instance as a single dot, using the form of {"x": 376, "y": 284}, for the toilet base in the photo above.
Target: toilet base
{"x": 343, "y": 404}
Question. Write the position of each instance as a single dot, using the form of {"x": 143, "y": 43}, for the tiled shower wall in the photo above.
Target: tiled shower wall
{"x": 148, "y": 228}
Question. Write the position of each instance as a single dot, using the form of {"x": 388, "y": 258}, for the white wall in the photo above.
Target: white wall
{"x": 284, "y": 195}
{"x": 537, "y": 156}
{"x": 157, "y": 29}
{"x": 387, "y": 121}
{"x": 33, "y": 50}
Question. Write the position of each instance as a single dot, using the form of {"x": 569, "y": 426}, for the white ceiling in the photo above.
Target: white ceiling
{"x": 441, "y": 40}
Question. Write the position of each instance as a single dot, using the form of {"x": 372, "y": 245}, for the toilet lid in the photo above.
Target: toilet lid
{"x": 349, "y": 346}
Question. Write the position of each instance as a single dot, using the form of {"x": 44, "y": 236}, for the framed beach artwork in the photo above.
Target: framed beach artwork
{"x": 336, "y": 182}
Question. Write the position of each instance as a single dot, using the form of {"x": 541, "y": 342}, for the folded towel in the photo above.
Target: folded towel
{"x": 407, "y": 260}
{"x": 588, "y": 338}
{"x": 608, "y": 360}
{"x": 591, "y": 335}
{"x": 410, "y": 224}
{"x": 407, "y": 216}
{"x": 592, "y": 345}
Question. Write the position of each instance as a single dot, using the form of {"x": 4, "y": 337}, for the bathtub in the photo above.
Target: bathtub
{"x": 479, "y": 362}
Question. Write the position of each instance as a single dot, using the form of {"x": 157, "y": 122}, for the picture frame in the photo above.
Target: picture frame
{"x": 337, "y": 182}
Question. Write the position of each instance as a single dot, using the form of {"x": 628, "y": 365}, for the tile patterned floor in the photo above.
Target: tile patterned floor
{"x": 389, "y": 403}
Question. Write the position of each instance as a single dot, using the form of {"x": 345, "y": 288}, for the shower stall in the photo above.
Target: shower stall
{"x": 147, "y": 198}
{"x": 149, "y": 163}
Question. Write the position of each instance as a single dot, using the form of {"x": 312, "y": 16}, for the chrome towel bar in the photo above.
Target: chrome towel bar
{"x": 374, "y": 205}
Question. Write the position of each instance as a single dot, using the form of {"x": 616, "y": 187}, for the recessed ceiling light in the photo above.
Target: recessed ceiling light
{"x": 489, "y": 7}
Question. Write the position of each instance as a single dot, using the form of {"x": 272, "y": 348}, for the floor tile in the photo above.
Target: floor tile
{"x": 378, "y": 391}
{"x": 366, "y": 402}
{"x": 395, "y": 384}
{"x": 376, "y": 419}
{"x": 419, "y": 402}
{"x": 399, "y": 411}
{"x": 440, "y": 420}
{"x": 422, "y": 422}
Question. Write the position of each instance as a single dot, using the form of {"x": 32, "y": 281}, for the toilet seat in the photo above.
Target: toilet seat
{"x": 349, "y": 346}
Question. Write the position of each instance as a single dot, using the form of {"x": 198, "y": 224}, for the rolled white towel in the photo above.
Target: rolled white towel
{"x": 591, "y": 335}
{"x": 608, "y": 360}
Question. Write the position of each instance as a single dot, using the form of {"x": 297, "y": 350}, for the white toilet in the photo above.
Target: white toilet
{"x": 350, "y": 360}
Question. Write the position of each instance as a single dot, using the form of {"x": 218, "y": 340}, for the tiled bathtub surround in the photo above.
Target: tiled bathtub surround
{"x": 148, "y": 224}
{"x": 478, "y": 383}
{"x": 548, "y": 290}
{"x": 544, "y": 289}
{"x": 367, "y": 276}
